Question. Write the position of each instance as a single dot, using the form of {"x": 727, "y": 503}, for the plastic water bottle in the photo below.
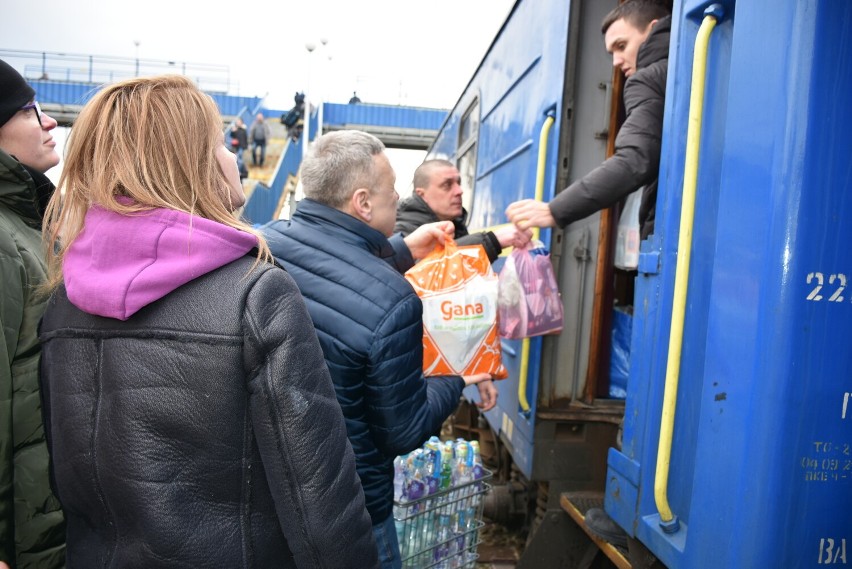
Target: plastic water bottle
{"x": 432, "y": 467}
{"x": 412, "y": 541}
{"x": 476, "y": 472}
{"x": 426, "y": 541}
{"x": 459, "y": 529}
{"x": 400, "y": 511}
{"x": 398, "y": 477}
{"x": 447, "y": 465}
{"x": 416, "y": 487}
{"x": 443, "y": 539}
{"x": 476, "y": 460}
{"x": 462, "y": 474}
{"x": 472, "y": 536}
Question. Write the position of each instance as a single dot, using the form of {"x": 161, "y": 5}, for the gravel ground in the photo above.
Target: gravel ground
{"x": 501, "y": 546}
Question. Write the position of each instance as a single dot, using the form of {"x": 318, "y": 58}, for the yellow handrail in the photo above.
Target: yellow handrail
{"x": 539, "y": 195}
{"x": 684, "y": 249}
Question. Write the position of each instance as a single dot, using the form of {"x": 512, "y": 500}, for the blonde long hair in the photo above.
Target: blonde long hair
{"x": 150, "y": 139}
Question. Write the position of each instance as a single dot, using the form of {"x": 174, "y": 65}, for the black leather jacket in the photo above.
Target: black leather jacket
{"x": 201, "y": 432}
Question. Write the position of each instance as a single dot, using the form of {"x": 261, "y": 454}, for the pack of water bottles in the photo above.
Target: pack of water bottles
{"x": 439, "y": 492}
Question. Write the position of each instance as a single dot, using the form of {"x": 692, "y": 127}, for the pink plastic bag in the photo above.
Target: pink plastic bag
{"x": 528, "y": 300}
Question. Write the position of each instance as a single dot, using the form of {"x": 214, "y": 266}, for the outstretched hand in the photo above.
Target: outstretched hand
{"x": 422, "y": 240}
{"x": 513, "y": 236}
{"x": 487, "y": 394}
{"x": 487, "y": 391}
{"x": 530, "y": 213}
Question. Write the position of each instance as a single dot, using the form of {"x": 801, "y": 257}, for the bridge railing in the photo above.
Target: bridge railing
{"x": 99, "y": 69}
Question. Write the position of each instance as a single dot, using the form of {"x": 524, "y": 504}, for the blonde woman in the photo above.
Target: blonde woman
{"x": 190, "y": 415}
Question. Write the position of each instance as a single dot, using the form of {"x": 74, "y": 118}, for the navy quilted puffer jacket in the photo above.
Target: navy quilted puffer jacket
{"x": 369, "y": 323}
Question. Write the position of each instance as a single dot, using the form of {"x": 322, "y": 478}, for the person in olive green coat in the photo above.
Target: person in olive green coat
{"x": 32, "y": 527}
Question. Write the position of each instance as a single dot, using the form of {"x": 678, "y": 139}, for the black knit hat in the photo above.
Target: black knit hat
{"x": 14, "y": 92}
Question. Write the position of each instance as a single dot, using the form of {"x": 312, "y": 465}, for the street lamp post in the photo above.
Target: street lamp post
{"x": 136, "y": 43}
{"x": 306, "y": 134}
{"x": 321, "y": 88}
{"x": 306, "y": 127}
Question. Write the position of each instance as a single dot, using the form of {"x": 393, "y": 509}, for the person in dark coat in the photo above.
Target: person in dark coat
{"x": 239, "y": 136}
{"x": 437, "y": 196}
{"x": 293, "y": 119}
{"x": 637, "y": 35}
{"x": 239, "y": 144}
{"x": 190, "y": 416}
{"x": 368, "y": 317}
{"x": 32, "y": 528}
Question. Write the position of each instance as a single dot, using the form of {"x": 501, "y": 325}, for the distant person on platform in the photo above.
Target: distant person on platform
{"x": 32, "y": 527}
{"x": 438, "y": 197}
{"x": 355, "y": 99}
{"x": 259, "y": 135}
{"x": 339, "y": 249}
{"x": 239, "y": 144}
{"x": 239, "y": 136}
{"x": 636, "y": 33}
{"x": 293, "y": 119}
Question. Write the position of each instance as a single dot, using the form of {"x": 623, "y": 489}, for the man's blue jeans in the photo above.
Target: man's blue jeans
{"x": 386, "y": 541}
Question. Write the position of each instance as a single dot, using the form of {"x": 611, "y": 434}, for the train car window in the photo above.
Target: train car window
{"x": 466, "y": 159}
{"x": 467, "y": 170}
{"x": 469, "y": 127}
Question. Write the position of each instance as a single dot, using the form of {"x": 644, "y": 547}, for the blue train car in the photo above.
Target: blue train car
{"x": 538, "y": 92}
{"x": 737, "y": 439}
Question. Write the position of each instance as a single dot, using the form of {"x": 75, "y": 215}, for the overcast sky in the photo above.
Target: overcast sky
{"x": 391, "y": 51}
{"x": 397, "y": 52}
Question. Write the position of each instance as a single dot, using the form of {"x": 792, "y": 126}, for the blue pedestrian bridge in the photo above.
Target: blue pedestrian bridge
{"x": 65, "y": 82}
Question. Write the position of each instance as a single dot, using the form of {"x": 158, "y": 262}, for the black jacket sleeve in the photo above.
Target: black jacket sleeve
{"x": 485, "y": 238}
{"x": 636, "y": 161}
{"x": 301, "y": 433}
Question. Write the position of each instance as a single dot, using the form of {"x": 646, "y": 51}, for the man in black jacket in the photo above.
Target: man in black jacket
{"x": 438, "y": 197}
{"x": 636, "y": 33}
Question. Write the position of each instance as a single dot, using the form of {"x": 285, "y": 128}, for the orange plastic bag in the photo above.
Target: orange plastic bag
{"x": 458, "y": 289}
